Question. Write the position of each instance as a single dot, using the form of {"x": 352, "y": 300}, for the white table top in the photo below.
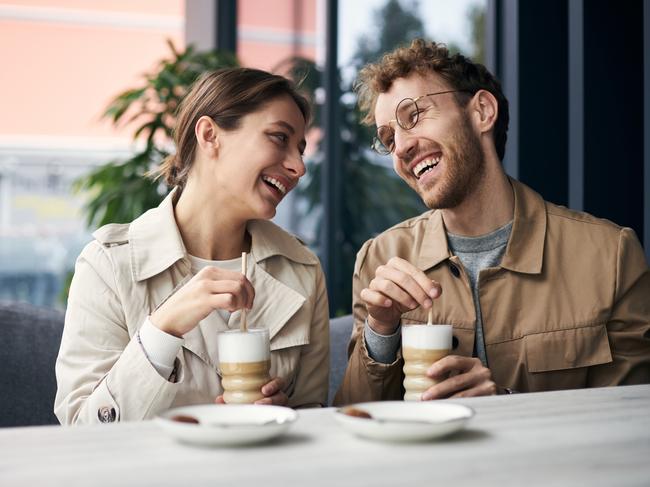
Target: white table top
{"x": 588, "y": 437}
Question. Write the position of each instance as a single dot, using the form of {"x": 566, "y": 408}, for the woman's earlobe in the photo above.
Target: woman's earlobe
{"x": 207, "y": 133}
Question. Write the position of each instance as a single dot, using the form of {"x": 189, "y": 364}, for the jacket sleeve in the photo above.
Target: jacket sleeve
{"x": 366, "y": 379}
{"x": 102, "y": 372}
{"x": 628, "y": 327}
{"x": 312, "y": 379}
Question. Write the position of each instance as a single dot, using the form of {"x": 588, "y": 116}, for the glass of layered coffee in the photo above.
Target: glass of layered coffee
{"x": 422, "y": 345}
{"x": 244, "y": 361}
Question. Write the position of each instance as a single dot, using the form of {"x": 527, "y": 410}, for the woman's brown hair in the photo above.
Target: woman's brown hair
{"x": 226, "y": 96}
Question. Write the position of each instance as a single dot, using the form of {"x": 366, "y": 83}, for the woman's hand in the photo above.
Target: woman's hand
{"x": 211, "y": 288}
{"x": 272, "y": 391}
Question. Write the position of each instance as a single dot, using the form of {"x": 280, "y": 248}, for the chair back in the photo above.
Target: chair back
{"x": 340, "y": 333}
{"x": 29, "y": 344}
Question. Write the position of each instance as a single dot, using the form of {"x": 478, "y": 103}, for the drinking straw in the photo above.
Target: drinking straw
{"x": 242, "y": 323}
{"x": 430, "y": 318}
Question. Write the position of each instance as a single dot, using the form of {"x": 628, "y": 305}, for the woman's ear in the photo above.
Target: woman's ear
{"x": 207, "y": 134}
{"x": 485, "y": 110}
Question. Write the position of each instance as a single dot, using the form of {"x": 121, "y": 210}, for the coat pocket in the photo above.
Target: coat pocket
{"x": 567, "y": 349}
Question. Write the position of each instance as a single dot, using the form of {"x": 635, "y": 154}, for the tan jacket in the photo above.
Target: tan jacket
{"x": 569, "y": 306}
{"x": 129, "y": 270}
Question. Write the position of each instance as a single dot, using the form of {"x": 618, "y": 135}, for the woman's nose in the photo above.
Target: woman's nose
{"x": 295, "y": 165}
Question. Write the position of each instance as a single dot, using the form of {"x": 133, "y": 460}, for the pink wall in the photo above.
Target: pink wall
{"x": 61, "y": 70}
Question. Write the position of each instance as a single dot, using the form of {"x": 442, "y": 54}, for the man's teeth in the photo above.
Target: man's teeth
{"x": 275, "y": 183}
{"x": 425, "y": 165}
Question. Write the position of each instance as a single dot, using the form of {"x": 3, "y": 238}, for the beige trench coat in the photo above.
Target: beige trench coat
{"x": 568, "y": 307}
{"x": 129, "y": 270}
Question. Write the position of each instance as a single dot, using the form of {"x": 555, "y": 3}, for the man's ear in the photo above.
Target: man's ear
{"x": 207, "y": 134}
{"x": 484, "y": 110}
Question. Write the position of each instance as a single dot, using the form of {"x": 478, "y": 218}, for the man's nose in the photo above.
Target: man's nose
{"x": 405, "y": 144}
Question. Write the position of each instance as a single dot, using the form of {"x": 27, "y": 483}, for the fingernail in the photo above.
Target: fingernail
{"x": 432, "y": 371}
{"x": 434, "y": 292}
{"x": 428, "y": 303}
{"x": 387, "y": 303}
{"x": 426, "y": 396}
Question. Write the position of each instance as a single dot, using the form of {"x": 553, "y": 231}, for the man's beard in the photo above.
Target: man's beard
{"x": 464, "y": 169}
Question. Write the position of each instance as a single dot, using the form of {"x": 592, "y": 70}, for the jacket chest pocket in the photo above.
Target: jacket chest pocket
{"x": 560, "y": 359}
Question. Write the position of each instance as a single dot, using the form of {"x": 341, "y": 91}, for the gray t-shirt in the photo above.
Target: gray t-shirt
{"x": 475, "y": 253}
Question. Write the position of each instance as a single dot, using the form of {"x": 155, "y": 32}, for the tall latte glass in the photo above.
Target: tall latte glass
{"x": 422, "y": 345}
{"x": 245, "y": 361}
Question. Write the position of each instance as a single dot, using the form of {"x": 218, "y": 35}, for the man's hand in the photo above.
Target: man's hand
{"x": 398, "y": 287}
{"x": 472, "y": 379}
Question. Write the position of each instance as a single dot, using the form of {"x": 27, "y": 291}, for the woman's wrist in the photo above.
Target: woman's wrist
{"x": 159, "y": 321}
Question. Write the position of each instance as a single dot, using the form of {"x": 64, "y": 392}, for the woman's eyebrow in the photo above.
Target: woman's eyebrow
{"x": 286, "y": 126}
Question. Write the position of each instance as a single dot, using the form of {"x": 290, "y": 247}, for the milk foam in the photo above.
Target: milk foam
{"x": 240, "y": 347}
{"x": 428, "y": 337}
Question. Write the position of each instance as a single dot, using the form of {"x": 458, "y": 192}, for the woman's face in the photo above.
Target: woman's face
{"x": 260, "y": 162}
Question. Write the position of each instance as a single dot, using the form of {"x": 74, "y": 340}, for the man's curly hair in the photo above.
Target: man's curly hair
{"x": 424, "y": 57}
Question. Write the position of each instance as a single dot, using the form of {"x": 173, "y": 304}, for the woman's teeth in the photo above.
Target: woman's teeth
{"x": 275, "y": 183}
{"x": 425, "y": 166}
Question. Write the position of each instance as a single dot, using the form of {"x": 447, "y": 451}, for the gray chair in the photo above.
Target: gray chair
{"x": 29, "y": 344}
{"x": 340, "y": 332}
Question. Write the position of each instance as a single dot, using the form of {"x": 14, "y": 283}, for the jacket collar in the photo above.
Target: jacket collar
{"x": 525, "y": 250}
{"x": 156, "y": 244}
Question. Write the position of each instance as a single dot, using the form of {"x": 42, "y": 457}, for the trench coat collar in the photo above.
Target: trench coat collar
{"x": 155, "y": 242}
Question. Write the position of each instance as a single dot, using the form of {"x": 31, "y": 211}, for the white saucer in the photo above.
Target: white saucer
{"x": 405, "y": 421}
{"x": 227, "y": 424}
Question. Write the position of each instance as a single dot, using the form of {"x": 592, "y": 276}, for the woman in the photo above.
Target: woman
{"x": 148, "y": 298}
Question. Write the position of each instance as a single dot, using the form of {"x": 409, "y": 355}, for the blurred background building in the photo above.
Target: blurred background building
{"x": 575, "y": 72}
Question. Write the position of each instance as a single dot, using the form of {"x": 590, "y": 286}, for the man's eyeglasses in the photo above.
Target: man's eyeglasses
{"x": 407, "y": 115}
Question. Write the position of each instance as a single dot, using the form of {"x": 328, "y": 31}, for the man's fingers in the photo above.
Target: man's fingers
{"x": 451, "y": 363}
{"x": 431, "y": 288}
{"x": 452, "y": 385}
{"x": 472, "y": 375}
{"x": 405, "y": 282}
{"x": 219, "y": 400}
{"x": 394, "y": 292}
{"x": 375, "y": 298}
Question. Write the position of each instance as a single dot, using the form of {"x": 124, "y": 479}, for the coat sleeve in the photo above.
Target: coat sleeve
{"x": 365, "y": 379}
{"x": 312, "y": 379}
{"x": 628, "y": 328}
{"x": 102, "y": 372}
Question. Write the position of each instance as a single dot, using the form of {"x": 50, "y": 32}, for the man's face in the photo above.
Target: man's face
{"x": 440, "y": 157}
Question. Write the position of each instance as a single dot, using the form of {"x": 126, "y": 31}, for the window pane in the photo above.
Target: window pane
{"x": 68, "y": 59}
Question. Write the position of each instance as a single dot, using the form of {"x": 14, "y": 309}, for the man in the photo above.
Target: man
{"x": 540, "y": 297}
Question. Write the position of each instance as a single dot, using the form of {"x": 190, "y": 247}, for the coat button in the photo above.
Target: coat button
{"x": 454, "y": 270}
{"x": 106, "y": 414}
